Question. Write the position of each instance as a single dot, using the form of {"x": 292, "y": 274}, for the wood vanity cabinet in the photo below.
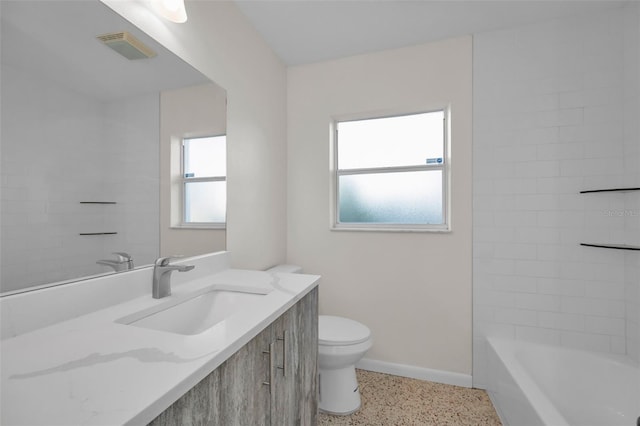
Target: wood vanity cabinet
{"x": 272, "y": 380}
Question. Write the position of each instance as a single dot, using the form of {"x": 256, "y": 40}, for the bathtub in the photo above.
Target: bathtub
{"x": 533, "y": 384}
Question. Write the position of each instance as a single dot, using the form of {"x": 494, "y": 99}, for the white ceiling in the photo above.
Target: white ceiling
{"x": 306, "y": 31}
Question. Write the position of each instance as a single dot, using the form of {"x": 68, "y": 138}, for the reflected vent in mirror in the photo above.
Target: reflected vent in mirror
{"x": 127, "y": 45}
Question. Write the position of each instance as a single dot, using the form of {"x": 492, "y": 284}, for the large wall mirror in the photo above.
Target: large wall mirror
{"x": 91, "y": 145}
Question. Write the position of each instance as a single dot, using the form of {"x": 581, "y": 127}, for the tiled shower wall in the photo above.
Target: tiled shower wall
{"x": 550, "y": 107}
{"x": 60, "y": 147}
{"x": 632, "y": 175}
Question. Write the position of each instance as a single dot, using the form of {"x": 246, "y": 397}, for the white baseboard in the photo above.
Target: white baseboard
{"x": 438, "y": 376}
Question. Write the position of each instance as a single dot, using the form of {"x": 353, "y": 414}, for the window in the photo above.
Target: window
{"x": 204, "y": 181}
{"x": 391, "y": 173}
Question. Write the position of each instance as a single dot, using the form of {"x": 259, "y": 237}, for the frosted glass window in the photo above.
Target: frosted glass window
{"x": 391, "y": 172}
{"x": 205, "y": 201}
{"x": 204, "y": 181}
{"x": 407, "y": 140}
{"x": 394, "y": 198}
{"x": 205, "y": 157}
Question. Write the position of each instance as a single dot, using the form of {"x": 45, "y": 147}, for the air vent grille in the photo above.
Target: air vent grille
{"x": 127, "y": 45}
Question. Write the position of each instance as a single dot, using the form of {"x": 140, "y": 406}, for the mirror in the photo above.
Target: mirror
{"x": 89, "y": 141}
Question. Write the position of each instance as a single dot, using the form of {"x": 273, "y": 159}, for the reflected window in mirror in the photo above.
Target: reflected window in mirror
{"x": 204, "y": 181}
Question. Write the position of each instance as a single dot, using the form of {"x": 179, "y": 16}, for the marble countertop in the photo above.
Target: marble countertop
{"x": 91, "y": 370}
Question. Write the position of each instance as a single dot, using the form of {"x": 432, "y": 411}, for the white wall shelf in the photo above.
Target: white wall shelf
{"x": 612, "y": 246}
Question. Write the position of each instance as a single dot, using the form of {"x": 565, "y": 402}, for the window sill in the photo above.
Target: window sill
{"x": 219, "y": 226}
{"x": 365, "y": 228}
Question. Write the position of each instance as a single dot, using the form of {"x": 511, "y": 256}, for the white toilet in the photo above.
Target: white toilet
{"x": 341, "y": 343}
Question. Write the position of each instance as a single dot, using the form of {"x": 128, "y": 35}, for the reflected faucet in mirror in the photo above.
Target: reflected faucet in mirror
{"x": 162, "y": 276}
{"x": 123, "y": 262}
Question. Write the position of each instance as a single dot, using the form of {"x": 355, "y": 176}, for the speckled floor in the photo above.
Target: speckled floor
{"x": 393, "y": 401}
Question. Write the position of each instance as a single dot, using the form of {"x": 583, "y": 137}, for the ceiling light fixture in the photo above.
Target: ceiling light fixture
{"x": 173, "y": 10}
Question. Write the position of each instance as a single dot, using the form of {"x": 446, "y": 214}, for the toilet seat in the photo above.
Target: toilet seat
{"x": 339, "y": 331}
{"x": 342, "y": 350}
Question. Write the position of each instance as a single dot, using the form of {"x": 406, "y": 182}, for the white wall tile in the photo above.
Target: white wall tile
{"x": 632, "y": 176}
{"x": 561, "y": 321}
{"x": 560, "y": 286}
{"x": 493, "y": 234}
{"x": 619, "y": 346}
{"x": 539, "y": 302}
{"x": 541, "y": 102}
{"x": 516, "y": 316}
{"x": 496, "y": 298}
{"x": 605, "y": 290}
{"x": 515, "y": 251}
{"x": 537, "y": 235}
{"x": 494, "y": 329}
{"x": 594, "y": 307}
{"x": 603, "y": 114}
{"x": 557, "y": 218}
{"x": 494, "y": 266}
{"x": 515, "y": 218}
{"x": 536, "y": 136}
{"x": 570, "y": 103}
{"x": 513, "y": 283}
{"x": 608, "y": 326}
{"x": 586, "y": 341}
{"x": 536, "y": 169}
{"x": 537, "y": 268}
{"x": 546, "y": 336}
{"x": 560, "y": 151}
{"x": 510, "y": 153}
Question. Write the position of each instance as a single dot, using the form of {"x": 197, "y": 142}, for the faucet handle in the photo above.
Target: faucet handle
{"x": 164, "y": 261}
{"x": 122, "y": 256}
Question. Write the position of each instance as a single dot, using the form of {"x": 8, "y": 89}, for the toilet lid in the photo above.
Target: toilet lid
{"x": 336, "y": 331}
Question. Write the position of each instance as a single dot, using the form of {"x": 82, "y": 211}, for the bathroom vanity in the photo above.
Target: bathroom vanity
{"x": 269, "y": 381}
{"x": 103, "y": 351}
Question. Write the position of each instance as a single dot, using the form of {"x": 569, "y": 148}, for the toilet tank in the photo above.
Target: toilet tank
{"x": 291, "y": 269}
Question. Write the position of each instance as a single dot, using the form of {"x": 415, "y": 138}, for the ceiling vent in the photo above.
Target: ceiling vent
{"x": 127, "y": 45}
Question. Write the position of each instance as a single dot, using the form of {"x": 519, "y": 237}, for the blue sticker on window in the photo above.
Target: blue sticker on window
{"x": 438, "y": 160}
{"x": 188, "y": 175}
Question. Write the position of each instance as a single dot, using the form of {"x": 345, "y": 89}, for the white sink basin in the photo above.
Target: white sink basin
{"x": 195, "y": 313}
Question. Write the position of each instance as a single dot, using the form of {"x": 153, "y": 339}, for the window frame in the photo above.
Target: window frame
{"x": 183, "y": 180}
{"x": 336, "y": 173}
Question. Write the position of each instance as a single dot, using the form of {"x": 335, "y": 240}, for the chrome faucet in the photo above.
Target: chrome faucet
{"x": 162, "y": 276}
{"x": 123, "y": 262}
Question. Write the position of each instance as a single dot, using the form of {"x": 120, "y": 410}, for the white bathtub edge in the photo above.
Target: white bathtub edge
{"x": 496, "y": 406}
{"x": 533, "y": 407}
{"x": 413, "y": 372}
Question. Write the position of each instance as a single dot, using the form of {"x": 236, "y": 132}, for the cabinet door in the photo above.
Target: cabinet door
{"x": 294, "y": 401}
{"x": 231, "y": 395}
{"x": 199, "y": 406}
{"x": 244, "y": 378}
{"x": 235, "y": 394}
